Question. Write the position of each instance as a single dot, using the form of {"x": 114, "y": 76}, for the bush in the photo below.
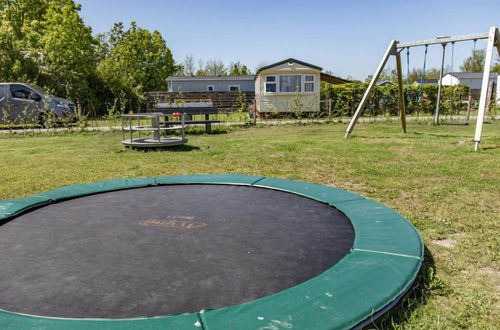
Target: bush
{"x": 383, "y": 100}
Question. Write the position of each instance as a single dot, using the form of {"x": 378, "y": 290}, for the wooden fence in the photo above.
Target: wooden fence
{"x": 224, "y": 102}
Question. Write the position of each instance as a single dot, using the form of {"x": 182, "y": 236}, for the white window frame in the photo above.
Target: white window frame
{"x": 208, "y": 88}
{"x": 303, "y": 83}
{"x": 313, "y": 82}
{"x": 275, "y": 82}
{"x": 237, "y": 86}
{"x": 294, "y": 92}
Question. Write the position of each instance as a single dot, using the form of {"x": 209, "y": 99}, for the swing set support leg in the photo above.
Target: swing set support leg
{"x": 391, "y": 50}
{"x": 401, "y": 103}
{"x": 440, "y": 84}
{"x": 493, "y": 40}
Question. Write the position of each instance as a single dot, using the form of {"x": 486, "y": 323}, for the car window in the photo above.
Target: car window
{"x": 2, "y": 91}
{"x": 20, "y": 91}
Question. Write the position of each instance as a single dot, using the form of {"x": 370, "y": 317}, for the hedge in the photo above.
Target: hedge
{"x": 384, "y": 99}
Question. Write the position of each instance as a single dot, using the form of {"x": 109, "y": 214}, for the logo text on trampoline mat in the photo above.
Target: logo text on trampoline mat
{"x": 172, "y": 223}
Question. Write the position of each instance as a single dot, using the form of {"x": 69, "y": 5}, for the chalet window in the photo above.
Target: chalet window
{"x": 210, "y": 88}
{"x": 308, "y": 83}
{"x": 271, "y": 84}
{"x": 290, "y": 83}
{"x": 234, "y": 88}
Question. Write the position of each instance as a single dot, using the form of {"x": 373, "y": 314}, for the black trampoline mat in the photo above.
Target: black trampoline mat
{"x": 165, "y": 250}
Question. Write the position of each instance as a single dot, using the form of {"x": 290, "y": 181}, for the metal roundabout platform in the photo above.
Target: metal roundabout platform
{"x": 159, "y": 130}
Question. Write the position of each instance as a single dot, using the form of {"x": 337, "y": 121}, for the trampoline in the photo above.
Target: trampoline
{"x": 202, "y": 251}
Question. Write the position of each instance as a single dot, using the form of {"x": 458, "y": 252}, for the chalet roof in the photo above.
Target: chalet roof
{"x": 333, "y": 79}
{"x": 385, "y": 82}
{"x": 287, "y": 61}
{"x": 472, "y": 75}
{"x": 429, "y": 81}
{"x": 210, "y": 78}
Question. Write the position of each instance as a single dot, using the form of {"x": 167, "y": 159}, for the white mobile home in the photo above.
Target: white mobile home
{"x": 210, "y": 83}
{"x": 473, "y": 80}
{"x": 288, "y": 86}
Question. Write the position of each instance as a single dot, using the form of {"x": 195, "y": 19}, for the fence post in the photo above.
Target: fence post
{"x": 329, "y": 109}
{"x": 489, "y": 96}
{"x": 254, "y": 105}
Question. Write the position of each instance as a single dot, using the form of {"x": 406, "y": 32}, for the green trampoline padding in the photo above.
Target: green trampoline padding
{"x": 381, "y": 267}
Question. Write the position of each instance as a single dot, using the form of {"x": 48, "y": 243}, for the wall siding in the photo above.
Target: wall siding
{"x": 219, "y": 86}
{"x": 473, "y": 83}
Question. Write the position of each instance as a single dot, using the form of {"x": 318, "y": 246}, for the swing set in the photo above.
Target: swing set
{"x": 396, "y": 47}
{"x": 415, "y": 96}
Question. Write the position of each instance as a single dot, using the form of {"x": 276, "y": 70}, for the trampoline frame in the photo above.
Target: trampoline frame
{"x": 380, "y": 268}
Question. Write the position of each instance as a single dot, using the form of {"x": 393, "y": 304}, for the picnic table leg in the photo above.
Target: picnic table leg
{"x": 208, "y": 125}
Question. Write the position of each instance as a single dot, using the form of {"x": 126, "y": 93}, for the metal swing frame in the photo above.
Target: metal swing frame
{"x": 395, "y": 48}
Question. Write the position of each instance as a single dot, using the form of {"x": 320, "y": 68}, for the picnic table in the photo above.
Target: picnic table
{"x": 190, "y": 108}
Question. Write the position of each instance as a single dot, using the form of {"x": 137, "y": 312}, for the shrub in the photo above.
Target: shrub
{"x": 384, "y": 99}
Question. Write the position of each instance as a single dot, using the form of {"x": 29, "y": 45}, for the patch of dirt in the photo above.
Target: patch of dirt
{"x": 350, "y": 186}
{"x": 464, "y": 142}
{"x": 448, "y": 242}
{"x": 489, "y": 270}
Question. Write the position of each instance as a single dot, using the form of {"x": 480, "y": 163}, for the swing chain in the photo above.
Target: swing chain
{"x": 408, "y": 64}
{"x": 422, "y": 77}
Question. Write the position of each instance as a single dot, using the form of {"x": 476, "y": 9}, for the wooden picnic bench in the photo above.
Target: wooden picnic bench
{"x": 190, "y": 109}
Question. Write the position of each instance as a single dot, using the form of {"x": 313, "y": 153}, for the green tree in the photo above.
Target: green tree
{"x": 496, "y": 65}
{"x": 389, "y": 75}
{"x": 415, "y": 75}
{"x": 19, "y": 35}
{"x": 201, "y": 69}
{"x": 215, "y": 67}
{"x": 475, "y": 62}
{"x": 46, "y": 43}
{"x": 432, "y": 73}
{"x": 188, "y": 66}
{"x": 102, "y": 47}
{"x": 238, "y": 69}
{"x": 139, "y": 61}
{"x": 68, "y": 48}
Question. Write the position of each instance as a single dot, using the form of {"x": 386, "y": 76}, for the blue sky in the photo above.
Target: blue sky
{"x": 347, "y": 37}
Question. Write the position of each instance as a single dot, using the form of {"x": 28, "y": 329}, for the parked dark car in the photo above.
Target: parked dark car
{"x": 21, "y": 102}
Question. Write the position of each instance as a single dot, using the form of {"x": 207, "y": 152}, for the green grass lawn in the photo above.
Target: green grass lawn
{"x": 431, "y": 175}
